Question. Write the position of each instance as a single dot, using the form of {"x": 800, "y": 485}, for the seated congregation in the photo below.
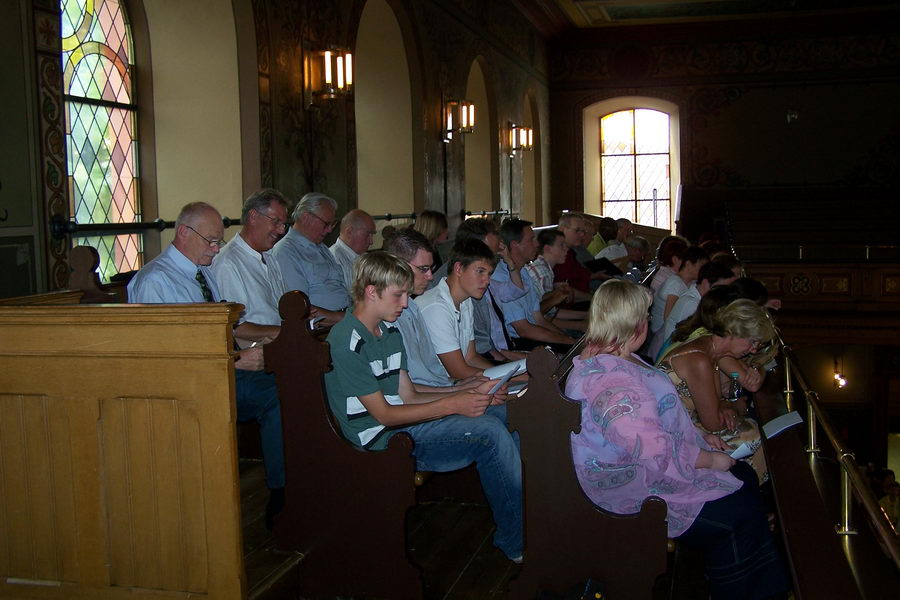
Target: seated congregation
{"x": 412, "y": 334}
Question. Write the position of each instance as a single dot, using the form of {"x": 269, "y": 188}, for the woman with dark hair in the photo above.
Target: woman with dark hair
{"x": 637, "y": 440}
{"x": 666, "y": 296}
{"x": 668, "y": 256}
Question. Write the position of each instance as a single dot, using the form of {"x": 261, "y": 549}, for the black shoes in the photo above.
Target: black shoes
{"x": 274, "y": 506}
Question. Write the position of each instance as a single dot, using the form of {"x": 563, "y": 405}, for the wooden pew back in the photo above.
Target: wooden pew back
{"x": 119, "y": 458}
{"x": 567, "y": 538}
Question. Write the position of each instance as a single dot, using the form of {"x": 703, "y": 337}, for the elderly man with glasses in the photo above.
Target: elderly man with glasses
{"x": 182, "y": 274}
{"x": 307, "y": 264}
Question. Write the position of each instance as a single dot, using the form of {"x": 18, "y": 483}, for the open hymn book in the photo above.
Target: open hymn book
{"x": 770, "y": 429}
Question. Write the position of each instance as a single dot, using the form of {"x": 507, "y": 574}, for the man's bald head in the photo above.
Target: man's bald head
{"x": 199, "y": 232}
{"x": 195, "y": 212}
{"x": 358, "y": 230}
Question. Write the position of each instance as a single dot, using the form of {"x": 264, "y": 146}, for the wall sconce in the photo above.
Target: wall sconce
{"x": 520, "y": 138}
{"x": 459, "y": 117}
{"x": 327, "y": 74}
{"x": 839, "y": 379}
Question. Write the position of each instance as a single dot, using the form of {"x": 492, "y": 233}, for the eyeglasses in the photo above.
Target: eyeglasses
{"x": 215, "y": 243}
{"x": 422, "y": 268}
{"x": 328, "y": 224}
{"x": 278, "y": 223}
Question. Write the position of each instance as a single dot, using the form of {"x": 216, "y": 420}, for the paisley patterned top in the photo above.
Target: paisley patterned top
{"x": 637, "y": 440}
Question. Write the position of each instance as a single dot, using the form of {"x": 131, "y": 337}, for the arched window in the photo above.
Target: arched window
{"x": 634, "y": 159}
{"x": 631, "y": 148}
{"x": 101, "y": 129}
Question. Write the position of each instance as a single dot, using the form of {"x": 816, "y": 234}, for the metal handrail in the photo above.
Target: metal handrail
{"x": 851, "y": 480}
{"x": 60, "y": 227}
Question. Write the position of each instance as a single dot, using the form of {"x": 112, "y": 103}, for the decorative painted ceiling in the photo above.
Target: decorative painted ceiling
{"x": 606, "y": 13}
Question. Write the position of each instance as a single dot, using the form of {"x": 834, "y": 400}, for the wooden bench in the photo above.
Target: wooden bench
{"x": 84, "y": 284}
{"x": 567, "y": 538}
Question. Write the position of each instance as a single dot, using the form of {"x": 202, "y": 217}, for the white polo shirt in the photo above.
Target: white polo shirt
{"x": 450, "y": 329}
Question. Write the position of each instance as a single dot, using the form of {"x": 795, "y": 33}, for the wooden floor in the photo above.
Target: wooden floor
{"x": 449, "y": 540}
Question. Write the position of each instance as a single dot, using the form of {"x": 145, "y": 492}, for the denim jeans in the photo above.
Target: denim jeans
{"x": 455, "y": 442}
{"x": 742, "y": 561}
{"x": 257, "y": 399}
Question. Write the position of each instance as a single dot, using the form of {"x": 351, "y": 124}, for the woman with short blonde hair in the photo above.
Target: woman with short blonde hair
{"x": 736, "y": 330}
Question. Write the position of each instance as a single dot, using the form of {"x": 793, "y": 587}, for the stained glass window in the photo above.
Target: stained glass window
{"x": 634, "y": 163}
{"x": 101, "y": 132}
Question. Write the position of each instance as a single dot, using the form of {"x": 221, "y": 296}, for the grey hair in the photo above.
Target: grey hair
{"x": 636, "y": 241}
{"x": 261, "y": 200}
{"x": 311, "y": 202}
{"x": 623, "y": 222}
{"x": 566, "y": 219}
{"x": 191, "y": 211}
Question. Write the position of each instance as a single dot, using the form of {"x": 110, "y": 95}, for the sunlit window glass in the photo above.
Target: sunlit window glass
{"x": 101, "y": 133}
{"x": 634, "y": 162}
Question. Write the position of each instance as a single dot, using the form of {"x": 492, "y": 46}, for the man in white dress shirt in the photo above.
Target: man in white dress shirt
{"x": 357, "y": 235}
{"x": 245, "y": 269}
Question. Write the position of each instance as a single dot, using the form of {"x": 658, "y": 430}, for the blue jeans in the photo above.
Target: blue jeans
{"x": 742, "y": 561}
{"x": 455, "y": 442}
{"x": 257, "y": 399}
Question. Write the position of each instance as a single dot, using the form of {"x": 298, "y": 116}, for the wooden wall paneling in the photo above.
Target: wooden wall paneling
{"x": 119, "y": 462}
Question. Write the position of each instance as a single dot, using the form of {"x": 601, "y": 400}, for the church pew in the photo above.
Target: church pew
{"x": 84, "y": 284}
{"x": 345, "y": 508}
{"x": 119, "y": 474}
{"x": 54, "y": 298}
{"x": 567, "y": 538}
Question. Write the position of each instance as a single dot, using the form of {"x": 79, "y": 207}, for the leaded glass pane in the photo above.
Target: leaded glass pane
{"x": 618, "y": 177}
{"x": 634, "y": 164}
{"x": 619, "y": 210}
{"x": 100, "y": 126}
{"x": 651, "y": 131}
{"x": 654, "y": 216}
{"x": 97, "y": 53}
{"x": 652, "y": 174}
{"x": 118, "y": 253}
{"x": 617, "y": 133}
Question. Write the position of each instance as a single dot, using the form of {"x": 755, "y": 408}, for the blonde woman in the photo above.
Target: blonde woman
{"x": 637, "y": 440}
{"x": 740, "y": 328}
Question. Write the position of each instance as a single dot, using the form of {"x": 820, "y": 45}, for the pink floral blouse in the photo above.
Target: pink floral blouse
{"x": 637, "y": 440}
